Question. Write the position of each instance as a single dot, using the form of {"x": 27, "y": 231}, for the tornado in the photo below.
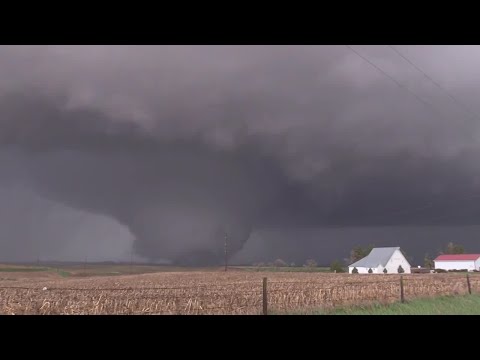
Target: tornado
{"x": 192, "y": 148}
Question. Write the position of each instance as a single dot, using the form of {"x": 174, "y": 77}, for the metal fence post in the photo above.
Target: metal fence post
{"x": 469, "y": 286}
{"x": 402, "y": 294}
{"x": 265, "y": 304}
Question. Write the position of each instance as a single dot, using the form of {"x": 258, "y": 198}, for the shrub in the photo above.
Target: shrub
{"x": 385, "y": 271}
{"x": 310, "y": 263}
{"x": 440, "y": 271}
{"x": 337, "y": 267}
{"x": 400, "y": 269}
{"x": 428, "y": 262}
{"x": 355, "y": 270}
{"x": 452, "y": 248}
{"x": 370, "y": 271}
{"x": 280, "y": 263}
{"x": 359, "y": 252}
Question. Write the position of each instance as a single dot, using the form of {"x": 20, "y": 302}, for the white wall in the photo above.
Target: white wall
{"x": 363, "y": 270}
{"x": 395, "y": 261}
{"x": 455, "y": 265}
{"x": 477, "y": 264}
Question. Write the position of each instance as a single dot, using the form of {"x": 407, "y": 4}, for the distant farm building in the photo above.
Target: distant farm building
{"x": 379, "y": 259}
{"x": 468, "y": 262}
{"x": 420, "y": 270}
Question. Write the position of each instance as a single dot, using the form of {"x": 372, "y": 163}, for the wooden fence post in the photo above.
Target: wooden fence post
{"x": 402, "y": 294}
{"x": 265, "y": 304}
{"x": 469, "y": 286}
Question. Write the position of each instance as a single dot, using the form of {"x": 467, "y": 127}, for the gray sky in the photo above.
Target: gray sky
{"x": 170, "y": 146}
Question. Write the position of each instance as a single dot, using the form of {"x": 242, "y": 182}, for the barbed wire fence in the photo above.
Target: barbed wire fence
{"x": 240, "y": 298}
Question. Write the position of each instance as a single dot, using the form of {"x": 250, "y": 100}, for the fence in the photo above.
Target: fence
{"x": 248, "y": 297}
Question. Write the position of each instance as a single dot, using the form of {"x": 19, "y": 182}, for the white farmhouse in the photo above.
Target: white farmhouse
{"x": 389, "y": 258}
{"x": 468, "y": 262}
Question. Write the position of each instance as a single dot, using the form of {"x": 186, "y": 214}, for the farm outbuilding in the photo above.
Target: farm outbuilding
{"x": 379, "y": 259}
{"x": 468, "y": 262}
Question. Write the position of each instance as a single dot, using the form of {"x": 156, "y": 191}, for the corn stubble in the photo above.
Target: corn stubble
{"x": 204, "y": 293}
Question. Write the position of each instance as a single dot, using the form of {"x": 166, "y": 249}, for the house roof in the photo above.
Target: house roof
{"x": 458, "y": 257}
{"x": 378, "y": 256}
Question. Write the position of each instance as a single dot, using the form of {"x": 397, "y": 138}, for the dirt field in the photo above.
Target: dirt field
{"x": 212, "y": 292}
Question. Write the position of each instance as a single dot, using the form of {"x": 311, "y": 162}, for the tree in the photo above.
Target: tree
{"x": 400, "y": 269}
{"x": 337, "y": 267}
{"x": 370, "y": 271}
{"x": 359, "y": 252}
{"x": 259, "y": 265}
{"x": 428, "y": 262}
{"x": 310, "y": 263}
{"x": 385, "y": 271}
{"x": 452, "y": 248}
{"x": 280, "y": 263}
{"x": 355, "y": 270}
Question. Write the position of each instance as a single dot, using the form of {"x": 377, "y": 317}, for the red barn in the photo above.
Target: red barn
{"x": 468, "y": 262}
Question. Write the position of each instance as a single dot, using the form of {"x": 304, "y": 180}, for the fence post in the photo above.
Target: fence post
{"x": 402, "y": 294}
{"x": 265, "y": 305}
{"x": 469, "y": 286}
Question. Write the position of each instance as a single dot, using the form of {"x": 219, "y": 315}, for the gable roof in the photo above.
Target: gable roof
{"x": 457, "y": 257}
{"x": 378, "y": 256}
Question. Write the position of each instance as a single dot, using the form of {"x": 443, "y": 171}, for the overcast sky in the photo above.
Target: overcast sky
{"x": 169, "y": 147}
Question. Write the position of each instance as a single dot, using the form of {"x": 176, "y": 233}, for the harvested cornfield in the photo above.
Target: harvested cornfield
{"x": 235, "y": 292}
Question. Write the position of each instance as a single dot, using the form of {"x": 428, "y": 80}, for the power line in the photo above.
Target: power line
{"x": 458, "y": 102}
{"x": 226, "y": 252}
{"x": 398, "y": 83}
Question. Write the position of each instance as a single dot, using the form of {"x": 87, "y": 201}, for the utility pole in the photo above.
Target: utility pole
{"x": 226, "y": 252}
{"x": 85, "y": 265}
{"x": 131, "y": 261}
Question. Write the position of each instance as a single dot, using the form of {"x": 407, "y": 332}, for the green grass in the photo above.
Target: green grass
{"x": 113, "y": 270}
{"x": 445, "y": 305}
{"x": 94, "y": 270}
{"x": 63, "y": 273}
{"x": 280, "y": 269}
{"x": 22, "y": 269}
{"x": 86, "y": 271}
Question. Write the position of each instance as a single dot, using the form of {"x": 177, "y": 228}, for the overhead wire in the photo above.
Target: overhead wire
{"x": 398, "y": 83}
{"x": 459, "y": 103}
{"x": 421, "y": 100}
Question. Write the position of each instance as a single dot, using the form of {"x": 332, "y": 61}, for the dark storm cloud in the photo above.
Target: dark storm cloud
{"x": 183, "y": 143}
